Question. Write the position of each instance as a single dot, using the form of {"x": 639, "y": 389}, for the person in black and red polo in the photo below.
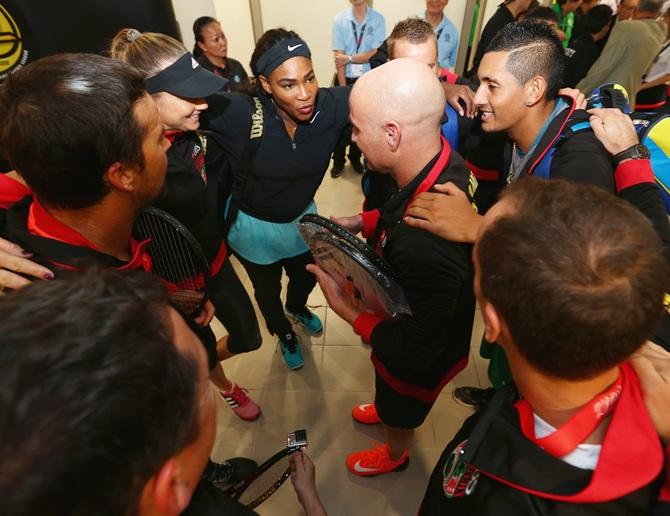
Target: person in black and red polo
{"x": 86, "y": 180}
{"x": 398, "y": 129}
{"x": 89, "y": 143}
{"x": 573, "y": 435}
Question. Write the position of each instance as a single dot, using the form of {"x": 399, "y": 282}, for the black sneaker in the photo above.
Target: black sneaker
{"x": 473, "y": 396}
{"x": 336, "y": 171}
{"x": 225, "y": 473}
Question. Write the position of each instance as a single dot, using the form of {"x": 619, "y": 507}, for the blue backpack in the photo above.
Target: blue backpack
{"x": 449, "y": 127}
{"x": 653, "y": 131}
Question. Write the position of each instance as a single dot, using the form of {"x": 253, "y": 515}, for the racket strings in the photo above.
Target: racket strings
{"x": 174, "y": 261}
{"x": 266, "y": 483}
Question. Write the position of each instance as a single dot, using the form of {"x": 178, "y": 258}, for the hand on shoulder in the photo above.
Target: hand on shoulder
{"x": 15, "y": 265}
{"x": 652, "y": 365}
{"x": 447, "y": 213}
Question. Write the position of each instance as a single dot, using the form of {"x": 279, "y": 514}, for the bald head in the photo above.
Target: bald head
{"x": 396, "y": 110}
{"x": 404, "y": 90}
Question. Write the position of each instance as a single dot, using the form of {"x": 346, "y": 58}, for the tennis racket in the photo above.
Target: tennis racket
{"x": 341, "y": 233}
{"x": 177, "y": 258}
{"x": 269, "y": 476}
{"x": 363, "y": 275}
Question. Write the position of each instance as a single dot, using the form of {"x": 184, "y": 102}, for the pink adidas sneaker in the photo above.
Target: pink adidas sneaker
{"x": 243, "y": 406}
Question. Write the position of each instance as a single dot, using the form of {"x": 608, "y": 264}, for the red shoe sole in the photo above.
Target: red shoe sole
{"x": 368, "y": 422}
{"x": 249, "y": 418}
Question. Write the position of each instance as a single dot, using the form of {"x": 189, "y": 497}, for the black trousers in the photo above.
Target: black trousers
{"x": 266, "y": 280}
{"x": 234, "y": 310}
{"x": 345, "y": 139}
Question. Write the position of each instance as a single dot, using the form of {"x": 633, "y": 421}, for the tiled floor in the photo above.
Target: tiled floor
{"x": 337, "y": 375}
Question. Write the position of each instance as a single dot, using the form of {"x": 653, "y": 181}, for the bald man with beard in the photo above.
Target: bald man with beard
{"x": 397, "y": 125}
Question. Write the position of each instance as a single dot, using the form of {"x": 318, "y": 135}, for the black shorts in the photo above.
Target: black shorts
{"x": 208, "y": 339}
{"x": 398, "y": 410}
{"x": 205, "y": 335}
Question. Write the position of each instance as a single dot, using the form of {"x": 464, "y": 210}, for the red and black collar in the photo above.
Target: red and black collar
{"x": 631, "y": 456}
{"x": 394, "y": 209}
{"x": 30, "y": 225}
{"x": 11, "y": 191}
{"x": 173, "y": 134}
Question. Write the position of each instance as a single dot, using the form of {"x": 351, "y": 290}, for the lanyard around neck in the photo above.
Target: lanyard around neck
{"x": 358, "y": 37}
{"x": 566, "y": 438}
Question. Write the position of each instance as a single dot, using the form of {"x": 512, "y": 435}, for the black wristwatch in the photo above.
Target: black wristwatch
{"x": 637, "y": 151}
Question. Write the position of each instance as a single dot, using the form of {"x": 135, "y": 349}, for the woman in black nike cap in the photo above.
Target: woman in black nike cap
{"x": 281, "y": 139}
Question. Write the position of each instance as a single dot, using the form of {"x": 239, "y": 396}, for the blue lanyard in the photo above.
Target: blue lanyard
{"x": 359, "y": 39}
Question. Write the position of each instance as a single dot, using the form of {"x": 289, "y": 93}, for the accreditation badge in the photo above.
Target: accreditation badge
{"x": 356, "y": 70}
{"x": 458, "y": 478}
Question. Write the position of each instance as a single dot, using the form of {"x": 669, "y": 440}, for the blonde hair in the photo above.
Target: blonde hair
{"x": 412, "y": 29}
{"x": 148, "y": 52}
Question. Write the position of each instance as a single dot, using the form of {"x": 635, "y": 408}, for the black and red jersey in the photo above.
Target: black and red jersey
{"x": 192, "y": 194}
{"x": 491, "y": 468}
{"x": 418, "y": 354}
{"x": 195, "y": 185}
{"x": 59, "y": 247}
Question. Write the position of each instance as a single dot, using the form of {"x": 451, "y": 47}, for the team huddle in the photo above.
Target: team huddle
{"x": 501, "y": 190}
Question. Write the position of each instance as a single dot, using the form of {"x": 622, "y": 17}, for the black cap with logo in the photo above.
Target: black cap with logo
{"x": 186, "y": 78}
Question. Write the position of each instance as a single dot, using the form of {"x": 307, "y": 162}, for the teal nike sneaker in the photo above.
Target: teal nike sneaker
{"x": 308, "y": 320}
{"x": 290, "y": 351}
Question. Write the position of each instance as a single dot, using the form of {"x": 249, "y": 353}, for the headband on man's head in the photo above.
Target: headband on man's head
{"x": 186, "y": 78}
{"x": 280, "y": 52}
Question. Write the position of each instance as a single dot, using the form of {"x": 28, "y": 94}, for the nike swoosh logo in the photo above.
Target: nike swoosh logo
{"x": 291, "y": 49}
{"x": 362, "y": 469}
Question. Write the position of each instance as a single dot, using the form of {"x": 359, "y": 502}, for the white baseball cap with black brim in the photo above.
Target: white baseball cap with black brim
{"x": 186, "y": 78}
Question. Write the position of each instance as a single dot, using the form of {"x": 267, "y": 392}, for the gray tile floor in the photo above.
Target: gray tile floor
{"x": 337, "y": 375}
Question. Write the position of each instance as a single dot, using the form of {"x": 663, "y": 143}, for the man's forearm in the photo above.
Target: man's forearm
{"x": 661, "y": 80}
{"x": 341, "y": 77}
{"x": 363, "y": 57}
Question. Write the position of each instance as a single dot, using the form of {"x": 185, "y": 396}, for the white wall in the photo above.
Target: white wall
{"x": 235, "y": 18}
{"x": 491, "y": 7}
{"x": 312, "y": 19}
{"x": 186, "y": 12}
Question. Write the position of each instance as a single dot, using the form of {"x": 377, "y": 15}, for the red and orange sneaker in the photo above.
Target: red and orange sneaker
{"x": 367, "y": 463}
{"x": 366, "y": 414}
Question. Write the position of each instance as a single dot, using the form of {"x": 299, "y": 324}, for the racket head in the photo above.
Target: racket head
{"x": 264, "y": 482}
{"x": 340, "y": 232}
{"x": 176, "y": 257}
{"x": 367, "y": 285}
